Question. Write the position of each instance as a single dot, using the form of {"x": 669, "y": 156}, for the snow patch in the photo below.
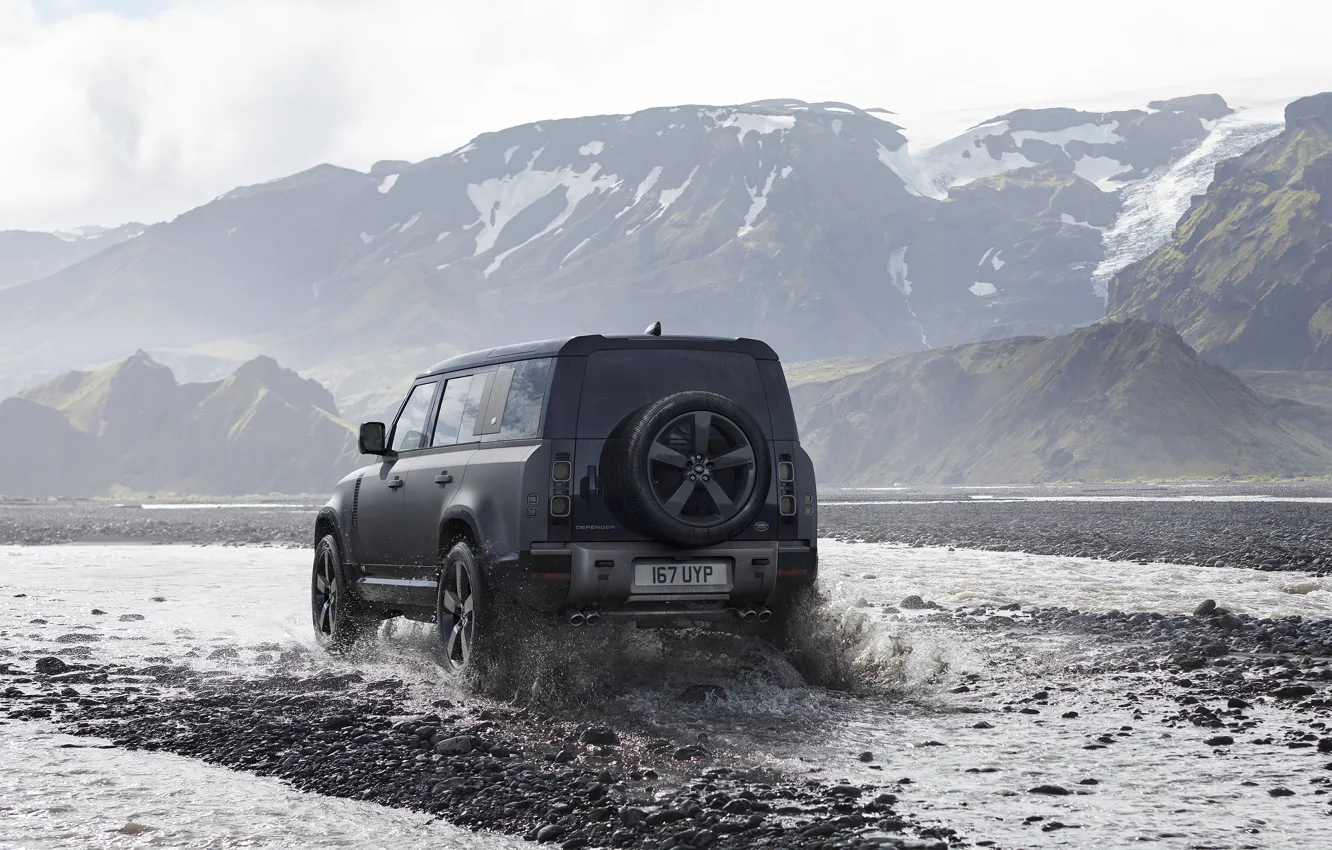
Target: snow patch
{"x": 593, "y": 148}
{"x": 508, "y": 154}
{"x": 413, "y": 220}
{"x": 995, "y": 262}
{"x": 916, "y": 180}
{"x": 1099, "y": 170}
{"x": 747, "y": 122}
{"x": 575, "y": 249}
{"x": 388, "y": 184}
{"x": 231, "y": 231}
{"x": 1092, "y": 134}
{"x": 837, "y": 126}
{"x": 366, "y": 238}
{"x": 758, "y": 199}
{"x": 981, "y": 289}
{"x": 839, "y": 109}
{"x": 664, "y": 200}
{"x": 500, "y": 200}
{"x": 643, "y": 189}
{"x": 898, "y": 277}
{"x": 442, "y": 266}
{"x": 442, "y": 235}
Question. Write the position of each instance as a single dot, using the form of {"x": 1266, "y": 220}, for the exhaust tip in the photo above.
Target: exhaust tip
{"x": 591, "y": 617}
{"x": 747, "y": 615}
{"x": 763, "y": 614}
{"x": 575, "y": 617}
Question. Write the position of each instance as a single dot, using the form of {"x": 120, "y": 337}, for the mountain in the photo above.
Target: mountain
{"x": 130, "y": 428}
{"x": 26, "y": 256}
{"x": 1115, "y": 400}
{"x": 1247, "y": 276}
{"x": 777, "y": 219}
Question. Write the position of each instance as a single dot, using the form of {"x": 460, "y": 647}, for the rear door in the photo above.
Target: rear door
{"x": 435, "y": 475}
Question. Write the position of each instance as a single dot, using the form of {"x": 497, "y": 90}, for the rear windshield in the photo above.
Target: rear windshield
{"x": 618, "y": 382}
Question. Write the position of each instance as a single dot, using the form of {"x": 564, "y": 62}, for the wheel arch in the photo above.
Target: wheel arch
{"x": 326, "y": 522}
{"x": 458, "y": 524}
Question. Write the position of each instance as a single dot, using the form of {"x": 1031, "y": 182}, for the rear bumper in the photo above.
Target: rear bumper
{"x": 551, "y": 577}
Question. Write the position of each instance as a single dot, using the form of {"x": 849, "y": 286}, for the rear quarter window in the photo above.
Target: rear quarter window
{"x": 618, "y": 382}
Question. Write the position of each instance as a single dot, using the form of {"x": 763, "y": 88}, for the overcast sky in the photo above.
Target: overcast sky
{"x": 116, "y": 110}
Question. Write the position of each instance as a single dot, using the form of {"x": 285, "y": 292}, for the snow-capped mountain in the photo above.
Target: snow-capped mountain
{"x": 815, "y": 226}
{"x": 26, "y": 255}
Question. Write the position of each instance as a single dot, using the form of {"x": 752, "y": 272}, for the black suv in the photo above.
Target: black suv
{"x": 653, "y": 478}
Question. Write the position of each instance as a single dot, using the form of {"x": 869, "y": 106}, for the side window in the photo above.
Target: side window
{"x": 451, "y": 406}
{"x": 527, "y": 398}
{"x": 478, "y": 392}
{"x": 410, "y": 431}
{"x": 489, "y": 421}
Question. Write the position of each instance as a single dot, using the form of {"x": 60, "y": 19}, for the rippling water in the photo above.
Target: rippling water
{"x": 1157, "y": 784}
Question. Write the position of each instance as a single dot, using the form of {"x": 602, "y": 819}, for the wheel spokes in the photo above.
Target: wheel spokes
{"x": 675, "y": 504}
{"x": 667, "y": 455}
{"x": 450, "y": 602}
{"x": 743, "y": 456}
{"x": 702, "y": 431}
{"x": 452, "y": 643}
{"x": 725, "y": 507}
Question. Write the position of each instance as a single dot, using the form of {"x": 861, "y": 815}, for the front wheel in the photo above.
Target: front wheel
{"x": 340, "y": 619}
{"x": 463, "y": 621}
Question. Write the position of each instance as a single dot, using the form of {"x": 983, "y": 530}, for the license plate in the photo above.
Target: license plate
{"x": 681, "y": 574}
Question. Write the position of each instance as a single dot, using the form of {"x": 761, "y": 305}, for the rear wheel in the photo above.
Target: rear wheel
{"x": 464, "y": 623}
{"x": 340, "y": 619}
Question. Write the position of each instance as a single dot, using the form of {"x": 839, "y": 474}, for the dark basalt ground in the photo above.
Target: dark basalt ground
{"x": 1248, "y": 534}
{"x": 340, "y": 735}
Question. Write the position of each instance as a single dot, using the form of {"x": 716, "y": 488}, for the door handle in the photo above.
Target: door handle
{"x": 443, "y": 477}
{"x": 395, "y": 483}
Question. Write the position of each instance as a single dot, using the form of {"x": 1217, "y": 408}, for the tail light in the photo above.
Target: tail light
{"x": 561, "y": 477}
{"x": 786, "y": 500}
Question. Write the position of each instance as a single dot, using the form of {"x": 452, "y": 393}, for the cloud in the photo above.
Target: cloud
{"x": 143, "y": 115}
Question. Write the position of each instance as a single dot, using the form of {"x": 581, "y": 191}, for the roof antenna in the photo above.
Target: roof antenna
{"x": 653, "y": 329}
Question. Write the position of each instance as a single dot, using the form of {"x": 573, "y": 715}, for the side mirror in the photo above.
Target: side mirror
{"x": 372, "y": 440}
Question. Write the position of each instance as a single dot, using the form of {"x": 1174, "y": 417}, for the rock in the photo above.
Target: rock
{"x": 600, "y": 736}
{"x": 1069, "y": 715}
{"x": 51, "y": 666}
{"x": 913, "y": 603}
{"x": 1294, "y": 691}
{"x": 1206, "y": 607}
{"x": 1280, "y": 792}
{"x": 130, "y": 618}
{"x": 847, "y": 791}
{"x": 1089, "y": 782}
{"x": 549, "y": 832}
{"x": 1219, "y": 741}
{"x": 1236, "y": 702}
{"x": 690, "y": 753}
{"x": 1053, "y": 790}
{"x": 456, "y": 746}
{"x": 866, "y": 757}
{"x": 1325, "y": 745}
{"x": 982, "y": 725}
{"x": 159, "y": 599}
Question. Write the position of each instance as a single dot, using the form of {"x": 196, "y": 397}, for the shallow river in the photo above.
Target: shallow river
{"x": 1157, "y": 784}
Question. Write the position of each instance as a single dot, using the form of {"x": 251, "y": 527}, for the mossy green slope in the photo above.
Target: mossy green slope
{"x": 1247, "y": 276}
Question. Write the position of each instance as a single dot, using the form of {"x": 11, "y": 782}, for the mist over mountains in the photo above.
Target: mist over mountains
{"x": 814, "y": 226}
{"x": 952, "y": 287}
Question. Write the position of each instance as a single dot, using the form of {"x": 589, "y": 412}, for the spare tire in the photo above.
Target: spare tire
{"x": 693, "y": 469}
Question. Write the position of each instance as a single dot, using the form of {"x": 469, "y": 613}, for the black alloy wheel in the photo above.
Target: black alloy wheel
{"x": 693, "y": 469}
{"x": 460, "y": 625}
{"x": 339, "y": 619}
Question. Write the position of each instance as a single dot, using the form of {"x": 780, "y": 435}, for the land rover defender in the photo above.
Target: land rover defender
{"x": 654, "y": 478}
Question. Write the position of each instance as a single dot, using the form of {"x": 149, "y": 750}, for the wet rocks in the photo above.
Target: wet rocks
{"x": 1205, "y": 608}
{"x": 1219, "y": 741}
{"x": 51, "y": 665}
{"x": 600, "y": 736}
{"x": 1050, "y": 790}
{"x": 456, "y": 746}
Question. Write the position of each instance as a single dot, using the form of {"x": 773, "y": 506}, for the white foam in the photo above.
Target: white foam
{"x": 593, "y": 148}
{"x": 388, "y": 184}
